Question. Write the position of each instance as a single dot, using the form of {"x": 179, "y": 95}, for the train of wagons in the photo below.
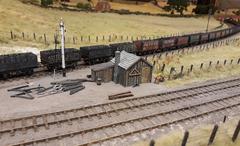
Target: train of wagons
{"x": 25, "y": 63}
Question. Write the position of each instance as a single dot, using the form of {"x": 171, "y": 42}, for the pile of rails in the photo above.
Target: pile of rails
{"x": 31, "y": 92}
{"x": 73, "y": 86}
{"x": 120, "y": 95}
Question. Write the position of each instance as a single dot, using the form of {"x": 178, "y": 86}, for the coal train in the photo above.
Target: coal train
{"x": 24, "y": 63}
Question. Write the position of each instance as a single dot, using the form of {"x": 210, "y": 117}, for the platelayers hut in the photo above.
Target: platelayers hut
{"x": 126, "y": 69}
{"x": 131, "y": 69}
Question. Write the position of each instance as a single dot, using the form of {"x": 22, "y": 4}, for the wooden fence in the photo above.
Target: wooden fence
{"x": 211, "y": 138}
{"x": 186, "y": 70}
{"x": 47, "y": 38}
{"x": 175, "y": 73}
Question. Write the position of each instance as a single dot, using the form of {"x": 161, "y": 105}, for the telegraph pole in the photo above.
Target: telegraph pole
{"x": 209, "y": 16}
{"x": 62, "y": 29}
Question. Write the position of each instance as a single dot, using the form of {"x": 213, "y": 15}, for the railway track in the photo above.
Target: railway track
{"x": 63, "y": 124}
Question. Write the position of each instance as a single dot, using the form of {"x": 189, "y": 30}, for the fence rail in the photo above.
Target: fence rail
{"x": 47, "y": 38}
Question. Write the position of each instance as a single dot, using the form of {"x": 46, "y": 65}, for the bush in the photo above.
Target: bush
{"x": 46, "y": 3}
{"x": 86, "y": 6}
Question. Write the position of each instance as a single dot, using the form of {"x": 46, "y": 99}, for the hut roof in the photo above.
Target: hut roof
{"x": 102, "y": 66}
{"x": 126, "y": 59}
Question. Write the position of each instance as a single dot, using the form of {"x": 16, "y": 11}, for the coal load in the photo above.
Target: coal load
{"x": 96, "y": 54}
{"x": 128, "y": 47}
{"x": 53, "y": 58}
{"x": 17, "y": 64}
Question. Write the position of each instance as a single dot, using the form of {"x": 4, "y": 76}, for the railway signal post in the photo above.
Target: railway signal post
{"x": 62, "y": 29}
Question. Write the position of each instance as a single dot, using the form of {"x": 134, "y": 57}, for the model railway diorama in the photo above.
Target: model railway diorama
{"x": 181, "y": 89}
{"x": 14, "y": 64}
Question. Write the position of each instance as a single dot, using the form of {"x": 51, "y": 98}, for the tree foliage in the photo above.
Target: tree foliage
{"x": 86, "y": 6}
{"x": 177, "y": 5}
{"x": 46, "y": 3}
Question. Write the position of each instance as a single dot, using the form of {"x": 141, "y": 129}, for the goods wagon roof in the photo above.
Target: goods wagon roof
{"x": 228, "y": 4}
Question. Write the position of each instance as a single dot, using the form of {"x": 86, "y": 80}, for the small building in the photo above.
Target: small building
{"x": 104, "y": 71}
{"x": 129, "y": 70}
{"x": 103, "y": 6}
{"x": 133, "y": 70}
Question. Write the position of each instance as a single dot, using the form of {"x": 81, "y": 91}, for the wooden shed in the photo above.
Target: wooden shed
{"x": 133, "y": 70}
{"x": 104, "y": 71}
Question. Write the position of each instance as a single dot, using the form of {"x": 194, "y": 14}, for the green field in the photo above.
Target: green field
{"x": 195, "y": 57}
{"x": 199, "y": 136}
{"x": 19, "y": 17}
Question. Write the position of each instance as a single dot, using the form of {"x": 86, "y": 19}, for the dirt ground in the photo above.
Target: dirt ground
{"x": 92, "y": 94}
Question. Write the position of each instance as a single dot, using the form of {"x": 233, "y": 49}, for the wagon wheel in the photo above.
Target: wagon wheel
{"x": 30, "y": 72}
{"x": 5, "y": 76}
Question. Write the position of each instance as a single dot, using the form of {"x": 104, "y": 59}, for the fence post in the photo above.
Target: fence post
{"x": 231, "y": 61}
{"x": 217, "y": 63}
{"x": 201, "y": 66}
{"x": 238, "y": 61}
{"x": 81, "y": 38}
{"x": 34, "y": 36}
{"x": 152, "y": 143}
{"x": 236, "y": 132}
{"x": 185, "y": 138}
{"x": 74, "y": 40}
{"x": 45, "y": 38}
{"x": 159, "y": 57}
{"x": 224, "y": 119}
{"x": 23, "y": 35}
{"x": 225, "y": 61}
{"x": 11, "y": 35}
{"x": 210, "y": 64}
{"x": 89, "y": 38}
{"x": 103, "y": 38}
{"x": 191, "y": 68}
{"x": 170, "y": 73}
{"x": 96, "y": 38}
{"x": 109, "y": 38}
{"x": 163, "y": 67}
{"x": 213, "y": 134}
{"x": 181, "y": 72}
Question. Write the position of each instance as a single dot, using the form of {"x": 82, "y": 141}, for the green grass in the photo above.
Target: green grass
{"x": 20, "y": 17}
{"x": 195, "y": 58}
{"x": 199, "y": 136}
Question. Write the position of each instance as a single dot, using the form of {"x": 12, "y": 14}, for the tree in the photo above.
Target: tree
{"x": 203, "y": 7}
{"x": 46, "y": 3}
{"x": 177, "y": 5}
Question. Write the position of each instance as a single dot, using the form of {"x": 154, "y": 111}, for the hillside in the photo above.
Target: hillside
{"x": 20, "y": 17}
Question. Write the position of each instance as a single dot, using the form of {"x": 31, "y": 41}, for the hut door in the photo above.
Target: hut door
{"x": 134, "y": 77}
{"x": 145, "y": 74}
